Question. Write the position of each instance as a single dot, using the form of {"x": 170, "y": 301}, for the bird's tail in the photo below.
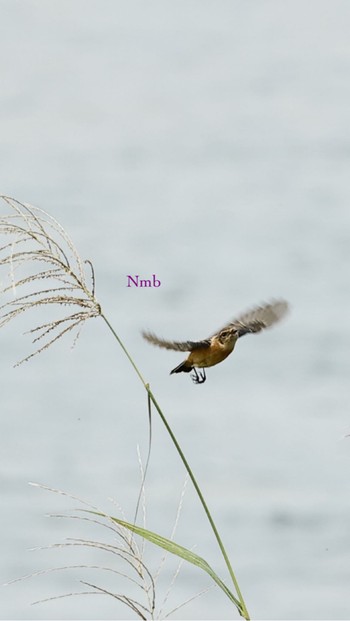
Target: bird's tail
{"x": 182, "y": 368}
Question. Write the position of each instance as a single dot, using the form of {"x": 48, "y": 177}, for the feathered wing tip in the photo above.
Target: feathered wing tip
{"x": 174, "y": 345}
{"x": 261, "y": 317}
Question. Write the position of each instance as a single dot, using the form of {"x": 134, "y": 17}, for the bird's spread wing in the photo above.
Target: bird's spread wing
{"x": 259, "y": 317}
{"x": 183, "y": 346}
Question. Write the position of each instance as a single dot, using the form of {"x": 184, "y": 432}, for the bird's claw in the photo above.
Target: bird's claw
{"x": 198, "y": 378}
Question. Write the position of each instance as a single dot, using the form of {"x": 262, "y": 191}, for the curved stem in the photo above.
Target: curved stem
{"x": 243, "y": 610}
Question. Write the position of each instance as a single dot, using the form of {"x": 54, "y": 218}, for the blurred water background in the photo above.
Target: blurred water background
{"x": 208, "y": 143}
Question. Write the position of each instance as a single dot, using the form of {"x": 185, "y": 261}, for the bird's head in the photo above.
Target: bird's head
{"x": 228, "y": 336}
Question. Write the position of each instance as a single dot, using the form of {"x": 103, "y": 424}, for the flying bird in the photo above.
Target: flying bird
{"x": 216, "y": 348}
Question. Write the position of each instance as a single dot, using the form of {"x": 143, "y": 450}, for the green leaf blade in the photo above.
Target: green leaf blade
{"x": 177, "y": 550}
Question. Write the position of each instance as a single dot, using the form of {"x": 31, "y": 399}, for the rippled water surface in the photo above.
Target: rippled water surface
{"x": 207, "y": 143}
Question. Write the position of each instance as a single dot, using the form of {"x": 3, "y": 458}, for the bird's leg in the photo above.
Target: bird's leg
{"x": 195, "y": 376}
{"x": 198, "y": 379}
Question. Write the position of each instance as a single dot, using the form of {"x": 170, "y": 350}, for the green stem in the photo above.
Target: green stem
{"x": 243, "y": 610}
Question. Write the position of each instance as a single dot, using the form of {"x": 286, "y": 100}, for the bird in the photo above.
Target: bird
{"x": 215, "y": 348}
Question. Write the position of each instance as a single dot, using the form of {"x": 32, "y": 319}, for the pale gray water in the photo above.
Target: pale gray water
{"x": 206, "y": 142}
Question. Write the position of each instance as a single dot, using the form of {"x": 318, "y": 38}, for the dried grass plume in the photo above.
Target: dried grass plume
{"x": 40, "y": 255}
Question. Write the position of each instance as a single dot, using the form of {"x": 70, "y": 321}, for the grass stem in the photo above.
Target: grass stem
{"x": 243, "y": 609}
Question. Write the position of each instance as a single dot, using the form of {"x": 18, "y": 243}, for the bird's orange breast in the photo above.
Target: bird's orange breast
{"x": 209, "y": 356}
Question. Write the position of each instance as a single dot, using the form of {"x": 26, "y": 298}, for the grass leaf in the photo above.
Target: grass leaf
{"x": 177, "y": 550}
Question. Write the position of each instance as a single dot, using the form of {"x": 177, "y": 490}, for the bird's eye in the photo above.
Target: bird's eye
{"x": 223, "y": 334}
